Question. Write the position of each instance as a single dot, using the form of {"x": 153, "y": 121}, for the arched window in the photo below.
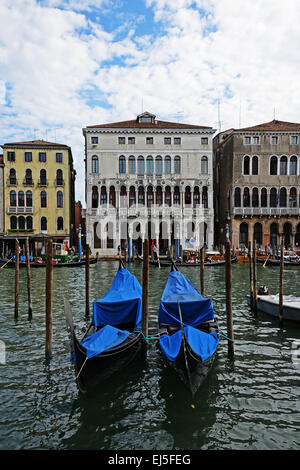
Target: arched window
{"x": 293, "y": 165}
{"x": 95, "y": 197}
{"x": 255, "y": 198}
{"x": 243, "y": 239}
{"x": 205, "y": 197}
{"x": 264, "y": 198}
{"x": 28, "y": 176}
{"x": 60, "y": 223}
{"x": 246, "y": 165}
{"x": 141, "y": 196}
{"x": 159, "y": 195}
{"x": 283, "y": 165}
{"x": 12, "y": 176}
{"x": 273, "y": 165}
{"x": 258, "y": 233}
{"x": 150, "y": 196}
{"x": 293, "y": 197}
{"x": 196, "y": 201}
{"x": 95, "y": 164}
{"x": 274, "y": 234}
{"x": 123, "y": 197}
{"x": 282, "y": 197}
{"x": 176, "y": 196}
{"x": 109, "y": 235}
{"x": 131, "y": 165}
{"x": 103, "y": 196}
{"x": 59, "y": 178}
{"x": 255, "y": 165}
{"x": 177, "y": 165}
{"x": 60, "y": 200}
{"x": 132, "y": 199}
{"x": 21, "y": 199}
{"x": 43, "y": 198}
{"x": 273, "y": 197}
{"x": 44, "y": 224}
{"x": 246, "y": 197}
{"x": 112, "y": 196}
{"x": 149, "y": 165}
{"x": 29, "y": 223}
{"x": 168, "y": 165}
{"x": 13, "y": 222}
{"x": 287, "y": 233}
{"x": 204, "y": 165}
{"x": 28, "y": 199}
{"x": 237, "y": 197}
{"x": 13, "y": 198}
{"x": 187, "y": 195}
{"x": 97, "y": 235}
{"x": 141, "y": 165}
{"x": 168, "y": 201}
{"x": 158, "y": 165}
{"x": 122, "y": 164}
{"x": 43, "y": 177}
{"x": 21, "y": 223}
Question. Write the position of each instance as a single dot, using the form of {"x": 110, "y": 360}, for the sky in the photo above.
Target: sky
{"x": 66, "y": 64}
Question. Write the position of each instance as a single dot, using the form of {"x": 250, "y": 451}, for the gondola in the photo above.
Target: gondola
{"x": 188, "y": 330}
{"x": 113, "y": 341}
{"x": 218, "y": 262}
{"x": 42, "y": 264}
{"x": 276, "y": 262}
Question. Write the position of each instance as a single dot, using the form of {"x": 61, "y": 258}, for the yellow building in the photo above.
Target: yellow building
{"x": 38, "y": 193}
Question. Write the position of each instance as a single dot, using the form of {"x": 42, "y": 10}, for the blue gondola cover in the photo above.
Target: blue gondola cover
{"x": 121, "y": 304}
{"x": 195, "y": 308}
{"x": 106, "y": 338}
{"x": 203, "y": 344}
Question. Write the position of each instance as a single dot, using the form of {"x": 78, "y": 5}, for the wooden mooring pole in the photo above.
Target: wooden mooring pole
{"x": 17, "y": 254}
{"x": 202, "y": 270}
{"x": 228, "y": 274}
{"x": 28, "y": 280}
{"x": 281, "y": 282}
{"x": 145, "y": 288}
{"x": 254, "y": 278}
{"x": 87, "y": 280}
{"x": 250, "y": 274}
{"x": 49, "y": 291}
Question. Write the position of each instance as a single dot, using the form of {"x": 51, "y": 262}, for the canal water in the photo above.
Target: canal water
{"x": 251, "y": 402}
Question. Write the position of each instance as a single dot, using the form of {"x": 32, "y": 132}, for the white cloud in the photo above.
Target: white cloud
{"x": 55, "y": 60}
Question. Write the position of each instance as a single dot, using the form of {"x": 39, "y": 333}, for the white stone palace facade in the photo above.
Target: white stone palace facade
{"x": 148, "y": 178}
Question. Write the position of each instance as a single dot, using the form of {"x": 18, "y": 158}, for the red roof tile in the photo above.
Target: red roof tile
{"x": 273, "y": 126}
{"x": 149, "y": 125}
{"x": 36, "y": 143}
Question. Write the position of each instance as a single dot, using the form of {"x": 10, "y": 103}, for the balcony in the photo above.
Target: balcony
{"x": 19, "y": 210}
{"x": 12, "y": 182}
{"x": 43, "y": 182}
{"x": 59, "y": 182}
{"x": 266, "y": 211}
{"x": 28, "y": 182}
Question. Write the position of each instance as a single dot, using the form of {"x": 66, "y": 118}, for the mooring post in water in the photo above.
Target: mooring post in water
{"x": 28, "y": 280}
{"x": 202, "y": 270}
{"x": 228, "y": 274}
{"x": 49, "y": 288}
{"x": 87, "y": 280}
{"x": 17, "y": 254}
{"x": 250, "y": 274}
{"x": 281, "y": 281}
{"x": 145, "y": 288}
{"x": 254, "y": 278}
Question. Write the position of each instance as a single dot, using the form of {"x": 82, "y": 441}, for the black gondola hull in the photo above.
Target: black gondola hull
{"x": 96, "y": 370}
{"x": 72, "y": 264}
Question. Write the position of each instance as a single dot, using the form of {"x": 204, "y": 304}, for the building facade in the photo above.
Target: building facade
{"x": 1, "y": 195}
{"x": 38, "y": 192}
{"x": 256, "y": 181}
{"x": 147, "y": 175}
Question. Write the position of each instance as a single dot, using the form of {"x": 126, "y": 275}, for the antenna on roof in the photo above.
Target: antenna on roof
{"x": 219, "y": 116}
{"x": 274, "y": 114}
{"x": 240, "y": 115}
{"x": 179, "y": 115}
{"x": 34, "y": 133}
{"x": 142, "y": 104}
{"x": 55, "y": 128}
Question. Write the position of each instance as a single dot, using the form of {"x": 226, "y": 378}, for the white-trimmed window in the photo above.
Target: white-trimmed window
{"x": 247, "y": 140}
{"x": 94, "y": 140}
{"x": 255, "y": 140}
{"x": 274, "y": 140}
{"x": 294, "y": 140}
{"x": 95, "y": 164}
